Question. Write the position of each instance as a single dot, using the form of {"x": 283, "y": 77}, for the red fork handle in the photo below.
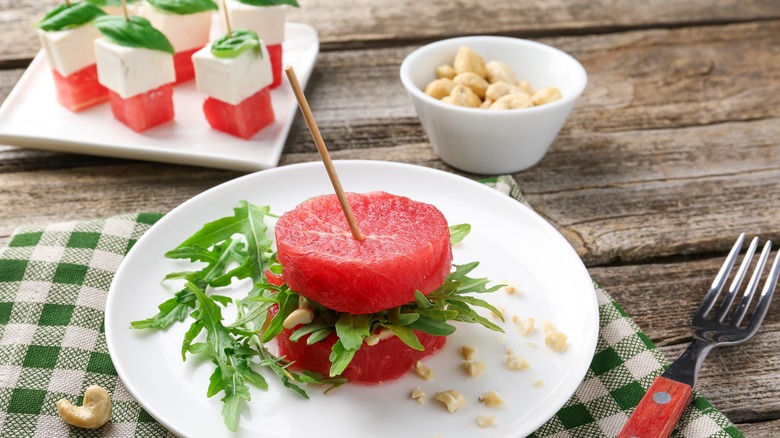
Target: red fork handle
{"x": 659, "y": 410}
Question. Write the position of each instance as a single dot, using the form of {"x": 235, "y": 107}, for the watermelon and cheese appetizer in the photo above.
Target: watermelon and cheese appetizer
{"x": 114, "y": 7}
{"x": 266, "y": 18}
{"x": 234, "y": 72}
{"x": 135, "y": 63}
{"x": 66, "y": 37}
{"x": 186, "y": 24}
{"x": 324, "y": 308}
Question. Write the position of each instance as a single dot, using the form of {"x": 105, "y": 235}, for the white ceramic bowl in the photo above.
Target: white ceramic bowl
{"x": 489, "y": 141}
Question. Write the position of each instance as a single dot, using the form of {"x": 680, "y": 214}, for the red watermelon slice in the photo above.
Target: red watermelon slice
{"x": 388, "y": 360}
{"x": 406, "y": 248}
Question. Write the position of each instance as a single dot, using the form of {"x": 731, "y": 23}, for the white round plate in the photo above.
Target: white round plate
{"x": 513, "y": 245}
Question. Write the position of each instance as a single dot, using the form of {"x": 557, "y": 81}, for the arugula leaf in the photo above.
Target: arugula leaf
{"x": 270, "y": 2}
{"x": 459, "y": 232}
{"x": 69, "y": 16}
{"x": 339, "y": 358}
{"x": 133, "y": 32}
{"x": 247, "y": 220}
{"x": 407, "y": 336}
{"x": 183, "y": 7}
{"x": 351, "y": 329}
{"x": 238, "y": 42}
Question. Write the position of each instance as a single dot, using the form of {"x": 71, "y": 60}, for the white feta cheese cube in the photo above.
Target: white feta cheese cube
{"x": 132, "y": 9}
{"x": 266, "y": 21}
{"x": 70, "y": 50}
{"x": 185, "y": 32}
{"x": 232, "y": 80}
{"x": 129, "y": 71}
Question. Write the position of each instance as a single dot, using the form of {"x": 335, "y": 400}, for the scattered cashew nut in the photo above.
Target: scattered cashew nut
{"x": 94, "y": 412}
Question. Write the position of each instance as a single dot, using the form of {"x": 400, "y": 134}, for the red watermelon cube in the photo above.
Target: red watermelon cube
{"x": 145, "y": 110}
{"x": 243, "y": 120}
{"x": 182, "y": 64}
{"x": 79, "y": 90}
{"x": 276, "y": 64}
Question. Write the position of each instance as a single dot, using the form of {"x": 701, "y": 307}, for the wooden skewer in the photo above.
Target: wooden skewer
{"x": 227, "y": 19}
{"x": 317, "y": 137}
{"x": 124, "y": 10}
{"x": 67, "y": 3}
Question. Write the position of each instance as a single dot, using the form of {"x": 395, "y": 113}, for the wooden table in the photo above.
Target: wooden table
{"x": 672, "y": 151}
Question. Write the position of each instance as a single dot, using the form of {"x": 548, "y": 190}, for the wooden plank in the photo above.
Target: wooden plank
{"x": 632, "y": 191}
{"x": 343, "y": 23}
{"x": 765, "y": 429}
{"x": 741, "y": 380}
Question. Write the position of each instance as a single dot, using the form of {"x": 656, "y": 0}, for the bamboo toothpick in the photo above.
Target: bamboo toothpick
{"x": 67, "y": 3}
{"x": 317, "y": 137}
{"x": 227, "y": 19}
{"x": 124, "y": 10}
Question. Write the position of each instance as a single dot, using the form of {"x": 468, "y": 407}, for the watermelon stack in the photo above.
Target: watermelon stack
{"x": 406, "y": 248}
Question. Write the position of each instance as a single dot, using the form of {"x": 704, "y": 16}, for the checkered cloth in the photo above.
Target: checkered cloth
{"x": 53, "y": 286}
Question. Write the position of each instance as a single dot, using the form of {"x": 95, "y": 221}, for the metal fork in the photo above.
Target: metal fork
{"x": 663, "y": 404}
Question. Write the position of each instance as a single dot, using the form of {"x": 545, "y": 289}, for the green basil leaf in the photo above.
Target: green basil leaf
{"x": 183, "y": 7}
{"x": 237, "y": 43}
{"x": 69, "y": 16}
{"x": 459, "y": 232}
{"x": 133, "y": 32}
{"x": 270, "y": 2}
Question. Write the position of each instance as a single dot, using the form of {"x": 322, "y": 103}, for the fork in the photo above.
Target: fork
{"x": 666, "y": 399}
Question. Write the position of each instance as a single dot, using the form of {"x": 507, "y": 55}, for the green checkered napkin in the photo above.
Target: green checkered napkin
{"x": 53, "y": 286}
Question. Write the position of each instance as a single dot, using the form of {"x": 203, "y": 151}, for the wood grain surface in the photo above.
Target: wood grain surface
{"x": 670, "y": 153}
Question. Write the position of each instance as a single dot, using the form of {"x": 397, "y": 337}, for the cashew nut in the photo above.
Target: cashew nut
{"x": 469, "y": 60}
{"x": 94, "y": 412}
{"x": 497, "y": 90}
{"x": 463, "y": 96}
{"x": 512, "y": 101}
{"x": 440, "y": 88}
{"x": 546, "y": 95}
{"x": 477, "y": 83}
{"x": 298, "y": 317}
{"x": 452, "y": 399}
{"x": 445, "y": 71}
{"x": 525, "y": 85}
{"x": 500, "y": 71}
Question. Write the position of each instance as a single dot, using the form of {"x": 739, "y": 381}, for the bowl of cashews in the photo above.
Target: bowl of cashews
{"x": 489, "y": 104}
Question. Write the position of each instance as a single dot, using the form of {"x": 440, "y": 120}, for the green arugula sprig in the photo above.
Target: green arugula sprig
{"x": 236, "y": 43}
{"x": 239, "y": 247}
{"x": 66, "y": 16}
{"x": 270, "y": 3}
{"x": 183, "y": 7}
{"x": 133, "y": 32}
